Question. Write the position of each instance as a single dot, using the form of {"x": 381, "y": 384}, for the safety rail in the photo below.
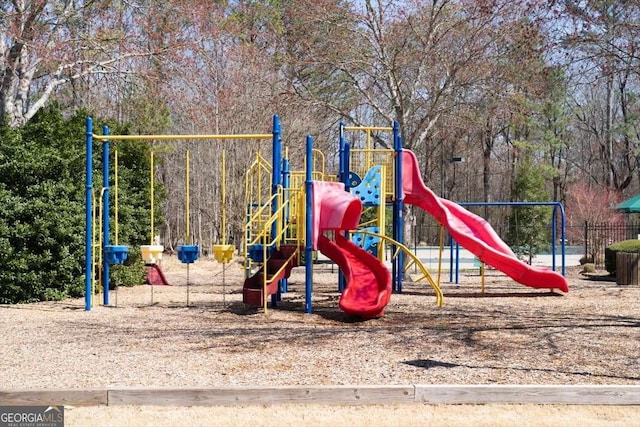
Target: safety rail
{"x": 285, "y": 220}
{"x": 414, "y": 260}
{"x": 257, "y": 183}
{"x": 362, "y": 160}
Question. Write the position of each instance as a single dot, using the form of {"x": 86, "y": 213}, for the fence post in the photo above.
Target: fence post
{"x": 586, "y": 241}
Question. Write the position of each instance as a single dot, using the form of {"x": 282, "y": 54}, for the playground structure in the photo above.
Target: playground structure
{"x": 290, "y": 214}
{"x": 116, "y": 254}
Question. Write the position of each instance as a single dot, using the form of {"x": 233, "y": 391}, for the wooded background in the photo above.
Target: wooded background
{"x": 540, "y": 98}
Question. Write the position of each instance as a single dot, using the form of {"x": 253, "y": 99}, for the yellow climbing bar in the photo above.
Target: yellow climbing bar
{"x": 165, "y": 137}
{"x": 369, "y": 128}
{"x": 423, "y": 269}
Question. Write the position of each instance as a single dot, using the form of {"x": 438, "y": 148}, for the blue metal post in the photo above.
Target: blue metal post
{"x": 286, "y": 184}
{"x": 398, "y": 206}
{"x": 88, "y": 260}
{"x": 451, "y": 259}
{"x": 308, "y": 247}
{"x": 457, "y": 263}
{"x": 345, "y": 158}
{"x": 563, "y": 229}
{"x": 105, "y": 215}
{"x": 553, "y": 239}
{"x": 276, "y": 181}
{"x": 276, "y": 159}
{"x": 343, "y": 174}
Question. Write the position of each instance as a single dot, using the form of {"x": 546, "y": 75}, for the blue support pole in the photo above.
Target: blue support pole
{"x": 451, "y": 259}
{"x": 398, "y": 206}
{"x": 276, "y": 159}
{"x": 105, "y": 215}
{"x": 457, "y": 263}
{"x": 563, "y": 229}
{"x": 286, "y": 184}
{"x": 308, "y": 247}
{"x": 343, "y": 173}
{"x": 553, "y": 238}
{"x": 345, "y": 161}
{"x": 88, "y": 260}
{"x": 276, "y": 181}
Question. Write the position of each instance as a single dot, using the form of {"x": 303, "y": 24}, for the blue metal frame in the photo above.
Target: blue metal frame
{"x": 276, "y": 181}
{"x": 308, "y": 247}
{"x": 398, "y": 207}
{"x": 286, "y": 184}
{"x": 88, "y": 242}
{"x": 105, "y": 215}
{"x": 556, "y": 206}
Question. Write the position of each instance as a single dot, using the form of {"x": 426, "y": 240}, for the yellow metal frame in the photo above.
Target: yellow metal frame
{"x": 187, "y": 238}
{"x": 369, "y": 163}
{"x": 414, "y": 260}
{"x": 258, "y": 229}
{"x": 364, "y": 159}
{"x": 178, "y": 137}
{"x": 255, "y": 136}
{"x": 151, "y": 181}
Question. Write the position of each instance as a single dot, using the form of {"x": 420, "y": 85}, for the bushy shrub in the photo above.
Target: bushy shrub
{"x": 610, "y": 252}
{"x": 586, "y": 259}
{"x": 42, "y": 207}
{"x": 130, "y": 273}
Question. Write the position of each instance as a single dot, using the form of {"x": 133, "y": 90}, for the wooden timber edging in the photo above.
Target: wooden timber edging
{"x": 344, "y": 395}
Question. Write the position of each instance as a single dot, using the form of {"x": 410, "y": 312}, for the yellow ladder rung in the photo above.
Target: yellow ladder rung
{"x": 424, "y": 276}
{"x": 409, "y": 264}
{"x": 395, "y": 254}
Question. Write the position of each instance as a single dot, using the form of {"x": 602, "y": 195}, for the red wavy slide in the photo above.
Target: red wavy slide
{"x": 473, "y": 232}
{"x": 368, "y": 281}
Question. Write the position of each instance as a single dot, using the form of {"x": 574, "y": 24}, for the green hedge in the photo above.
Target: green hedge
{"x": 42, "y": 207}
{"x": 630, "y": 246}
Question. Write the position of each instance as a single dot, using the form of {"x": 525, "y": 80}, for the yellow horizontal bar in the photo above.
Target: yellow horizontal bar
{"x": 365, "y": 128}
{"x": 156, "y": 137}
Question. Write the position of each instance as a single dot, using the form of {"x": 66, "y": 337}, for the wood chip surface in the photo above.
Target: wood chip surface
{"x": 510, "y": 334}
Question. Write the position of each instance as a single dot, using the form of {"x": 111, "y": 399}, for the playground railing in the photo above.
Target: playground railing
{"x": 270, "y": 229}
{"x": 257, "y": 185}
{"x": 362, "y": 160}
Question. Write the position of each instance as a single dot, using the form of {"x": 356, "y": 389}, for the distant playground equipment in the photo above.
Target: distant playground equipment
{"x": 275, "y": 234}
{"x": 107, "y": 253}
{"x": 187, "y": 253}
{"x": 329, "y": 208}
{"x": 223, "y": 252}
{"x": 152, "y": 253}
{"x": 292, "y": 214}
{"x": 557, "y": 210}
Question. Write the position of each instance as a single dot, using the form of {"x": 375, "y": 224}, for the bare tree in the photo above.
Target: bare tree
{"x": 602, "y": 46}
{"x": 592, "y": 204}
{"x": 46, "y": 45}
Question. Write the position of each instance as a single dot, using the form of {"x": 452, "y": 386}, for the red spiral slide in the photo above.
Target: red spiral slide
{"x": 368, "y": 281}
{"x": 473, "y": 232}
